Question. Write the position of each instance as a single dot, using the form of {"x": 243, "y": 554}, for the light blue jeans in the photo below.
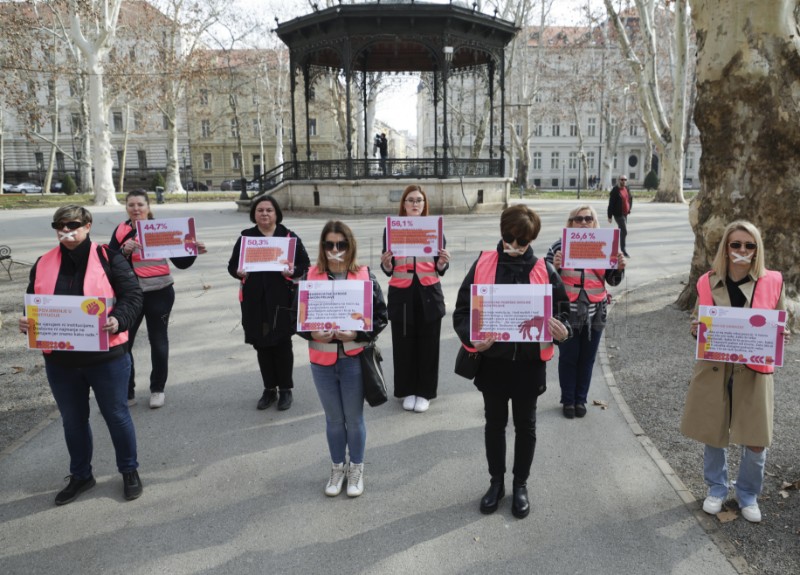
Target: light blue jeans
{"x": 751, "y": 474}
{"x": 341, "y": 393}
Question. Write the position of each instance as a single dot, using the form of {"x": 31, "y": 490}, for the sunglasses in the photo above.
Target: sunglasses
{"x": 68, "y": 225}
{"x": 738, "y": 245}
{"x": 338, "y": 246}
{"x": 582, "y": 219}
{"x": 509, "y": 239}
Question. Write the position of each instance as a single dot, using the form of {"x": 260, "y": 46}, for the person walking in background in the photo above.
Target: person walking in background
{"x": 416, "y": 309}
{"x": 79, "y": 267}
{"x": 732, "y": 402}
{"x": 335, "y": 365}
{"x": 512, "y": 371}
{"x": 587, "y": 294}
{"x": 383, "y": 148}
{"x": 267, "y": 302}
{"x": 620, "y": 202}
{"x": 159, "y": 295}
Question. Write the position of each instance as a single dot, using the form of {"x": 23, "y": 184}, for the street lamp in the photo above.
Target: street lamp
{"x": 563, "y": 173}
{"x": 185, "y": 187}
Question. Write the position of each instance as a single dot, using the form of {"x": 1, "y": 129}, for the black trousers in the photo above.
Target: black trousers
{"x": 622, "y": 224}
{"x": 276, "y": 363}
{"x": 415, "y": 351}
{"x": 156, "y": 309}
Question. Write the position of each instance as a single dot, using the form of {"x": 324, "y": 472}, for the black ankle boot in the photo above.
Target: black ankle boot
{"x": 520, "y": 507}
{"x": 492, "y": 498}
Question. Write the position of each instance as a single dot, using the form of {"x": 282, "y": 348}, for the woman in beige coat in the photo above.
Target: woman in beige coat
{"x": 731, "y": 402}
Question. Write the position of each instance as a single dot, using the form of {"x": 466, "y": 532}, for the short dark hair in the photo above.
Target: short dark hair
{"x": 270, "y": 199}
{"x": 520, "y": 222}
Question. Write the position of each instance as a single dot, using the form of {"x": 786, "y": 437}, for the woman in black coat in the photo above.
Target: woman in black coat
{"x": 267, "y": 300}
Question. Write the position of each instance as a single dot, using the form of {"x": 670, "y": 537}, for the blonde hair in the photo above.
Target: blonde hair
{"x": 337, "y": 227}
{"x": 720, "y": 263}
{"x": 576, "y": 211}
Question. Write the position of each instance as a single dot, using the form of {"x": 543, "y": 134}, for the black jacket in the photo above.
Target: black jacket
{"x": 269, "y": 315}
{"x": 615, "y": 204}
{"x": 511, "y": 270}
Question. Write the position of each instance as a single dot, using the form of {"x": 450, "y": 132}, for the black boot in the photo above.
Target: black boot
{"x": 285, "y": 400}
{"x": 269, "y": 397}
{"x": 492, "y": 498}
{"x": 520, "y": 507}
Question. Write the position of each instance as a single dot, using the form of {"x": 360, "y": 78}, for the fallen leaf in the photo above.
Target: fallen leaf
{"x": 769, "y": 474}
{"x": 783, "y": 493}
{"x": 476, "y": 539}
{"x": 600, "y": 403}
{"x": 17, "y": 369}
{"x": 727, "y": 516}
{"x": 792, "y": 485}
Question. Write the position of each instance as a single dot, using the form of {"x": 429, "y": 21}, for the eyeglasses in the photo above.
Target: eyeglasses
{"x": 338, "y": 246}
{"x": 581, "y": 219}
{"x": 738, "y": 245}
{"x": 415, "y": 201}
{"x": 68, "y": 225}
{"x": 509, "y": 239}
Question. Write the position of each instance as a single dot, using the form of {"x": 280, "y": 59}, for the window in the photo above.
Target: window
{"x": 60, "y": 165}
{"x": 39, "y": 159}
{"x": 573, "y": 160}
{"x": 58, "y": 124}
{"x": 204, "y": 97}
{"x": 142, "y": 156}
{"x": 205, "y": 128}
{"x": 590, "y": 160}
{"x": 234, "y": 128}
{"x": 615, "y": 163}
{"x": 573, "y": 130}
{"x": 591, "y": 127}
{"x": 207, "y": 163}
{"x": 312, "y": 94}
{"x": 255, "y": 97}
{"x": 556, "y": 127}
{"x": 537, "y": 131}
{"x": 612, "y": 128}
{"x": 76, "y": 123}
{"x": 312, "y": 126}
{"x": 256, "y": 127}
{"x": 165, "y": 122}
{"x": 118, "y": 122}
{"x": 537, "y": 97}
{"x": 537, "y": 161}
{"x": 73, "y": 88}
{"x": 689, "y": 162}
{"x": 120, "y": 158}
{"x": 634, "y": 131}
{"x": 518, "y": 129}
{"x": 554, "y": 159}
{"x": 132, "y": 53}
{"x": 236, "y": 160}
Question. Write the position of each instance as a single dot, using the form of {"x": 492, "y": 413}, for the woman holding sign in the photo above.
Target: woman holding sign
{"x": 335, "y": 364}
{"x": 512, "y": 371}
{"x": 159, "y": 295}
{"x": 416, "y": 309}
{"x": 586, "y": 289}
{"x": 267, "y": 301}
{"x": 79, "y": 267}
{"x": 733, "y": 402}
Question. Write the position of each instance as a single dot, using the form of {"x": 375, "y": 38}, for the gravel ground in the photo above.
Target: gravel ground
{"x": 651, "y": 355}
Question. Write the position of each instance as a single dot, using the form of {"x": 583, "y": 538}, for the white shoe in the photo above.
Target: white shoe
{"x": 156, "y": 399}
{"x": 409, "y": 402}
{"x": 334, "y": 486}
{"x": 355, "y": 479}
{"x": 712, "y": 505}
{"x": 421, "y": 405}
{"x": 751, "y": 513}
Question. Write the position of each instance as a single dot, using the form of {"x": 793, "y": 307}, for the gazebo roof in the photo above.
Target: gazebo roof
{"x": 395, "y": 37}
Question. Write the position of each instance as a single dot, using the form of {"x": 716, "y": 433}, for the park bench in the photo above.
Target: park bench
{"x": 5, "y": 259}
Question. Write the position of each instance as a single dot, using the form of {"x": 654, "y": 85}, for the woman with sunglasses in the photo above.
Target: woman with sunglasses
{"x": 79, "y": 267}
{"x": 587, "y": 294}
{"x": 512, "y": 371}
{"x": 732, "y": 402}
{"x": 335, "y": 365}
{"x": 159, "y": 295}
{"x": 267, "y": 302}
{"x": 416, "y": 309}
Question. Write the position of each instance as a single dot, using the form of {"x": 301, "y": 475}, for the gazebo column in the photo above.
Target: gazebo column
{"x": 364, "y": 109}
{"x": 306, "y": 82}
{"x": 348, "y": 105}
{"x": 293, "y": 89}
{"x": 448, "y": 58}
{"x": 491, "y": 110}
{"x": 502, "y": 114}
{"x": 435, "y": 123}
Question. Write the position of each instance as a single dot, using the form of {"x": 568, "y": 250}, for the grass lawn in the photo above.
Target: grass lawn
{"x": 20, "y": 201}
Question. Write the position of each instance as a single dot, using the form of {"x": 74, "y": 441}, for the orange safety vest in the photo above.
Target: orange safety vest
{"x": 95, "y": 283}
{"x": 327, "y": 353}
{"x": 404, "y": 268}
{"x": 141, "y": 267}
{"x": 592, "y": 281}
{"x": 485, "y": 273}
{"x": 766, "y": 294}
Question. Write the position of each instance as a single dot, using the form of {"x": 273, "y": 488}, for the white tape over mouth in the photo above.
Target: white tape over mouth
{"x": 67, "y": 236}
{"x": 511, "y": 250}
{"x": 739, "y": 259}
{"x": 337, "y": 257}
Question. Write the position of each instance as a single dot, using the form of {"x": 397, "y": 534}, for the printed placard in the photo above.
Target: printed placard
{"x": 66, "y": 322}
{"x": 340, "y": 304}
{"x": 740, "y": 335}
{"x": 511, "y": 313}
{"x": 167, "y": 238}
{"x": 414, "y": 236}
{"x": 589, "y": 248}
{"x": 266, "y": 254}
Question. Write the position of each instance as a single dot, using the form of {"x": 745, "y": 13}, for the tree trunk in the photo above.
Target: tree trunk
{"x": 670, "y": 185}
{"x": 748, "y": 114}
{"x": 101, "y": 158}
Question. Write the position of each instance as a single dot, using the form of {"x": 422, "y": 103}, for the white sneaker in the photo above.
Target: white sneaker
{"x": 712, "y": 505}
{"x": 334, "y": 486}
{"x": 355, "y": 479}
{"x": 751, "y": 513}
{"x": 408, "y": 402}
{"x": 421, "y": 405}
{"x": 156, "y": 399}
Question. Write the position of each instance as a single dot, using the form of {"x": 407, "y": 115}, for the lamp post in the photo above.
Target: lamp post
{"x": 448, "y": 59}
{"x": 563, "y": 173}
{"x": 580, "y": 158}
{"x": 185, "y": 187}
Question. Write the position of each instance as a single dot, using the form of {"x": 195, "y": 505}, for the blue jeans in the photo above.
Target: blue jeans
{"x": 70, "y": 387}
{"x": 156, "y": 308}
{"x": 751, "y": 474}
{"x": 575, "y": 365}
{"x": 341, "y": 393}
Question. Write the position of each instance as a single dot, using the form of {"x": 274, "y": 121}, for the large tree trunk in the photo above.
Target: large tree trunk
{"x": 748, "y": 113}
{"x": 101, "y": 158}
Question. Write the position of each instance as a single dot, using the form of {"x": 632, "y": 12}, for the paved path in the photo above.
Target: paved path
{"x": 229, "y": 489}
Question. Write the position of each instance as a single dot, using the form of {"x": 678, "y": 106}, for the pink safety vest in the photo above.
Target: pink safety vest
{"x": 594, "y": 284}
{"x": 403, "y": 272}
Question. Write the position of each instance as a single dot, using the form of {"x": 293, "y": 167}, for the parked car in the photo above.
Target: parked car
{"x": 196, "y": 187}
{"x": 7, "y": 187}
{"x": 56, "y": 187}
{"x": 228, "y": 185}
{"x": 26, "y": 188}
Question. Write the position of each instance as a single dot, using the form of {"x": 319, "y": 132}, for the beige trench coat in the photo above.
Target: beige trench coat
{"x": 716, "y": 417}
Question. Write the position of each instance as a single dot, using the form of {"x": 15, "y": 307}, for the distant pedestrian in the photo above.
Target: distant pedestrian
{"x": 620, "y": 202}
{"x": 383, "y": 148}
